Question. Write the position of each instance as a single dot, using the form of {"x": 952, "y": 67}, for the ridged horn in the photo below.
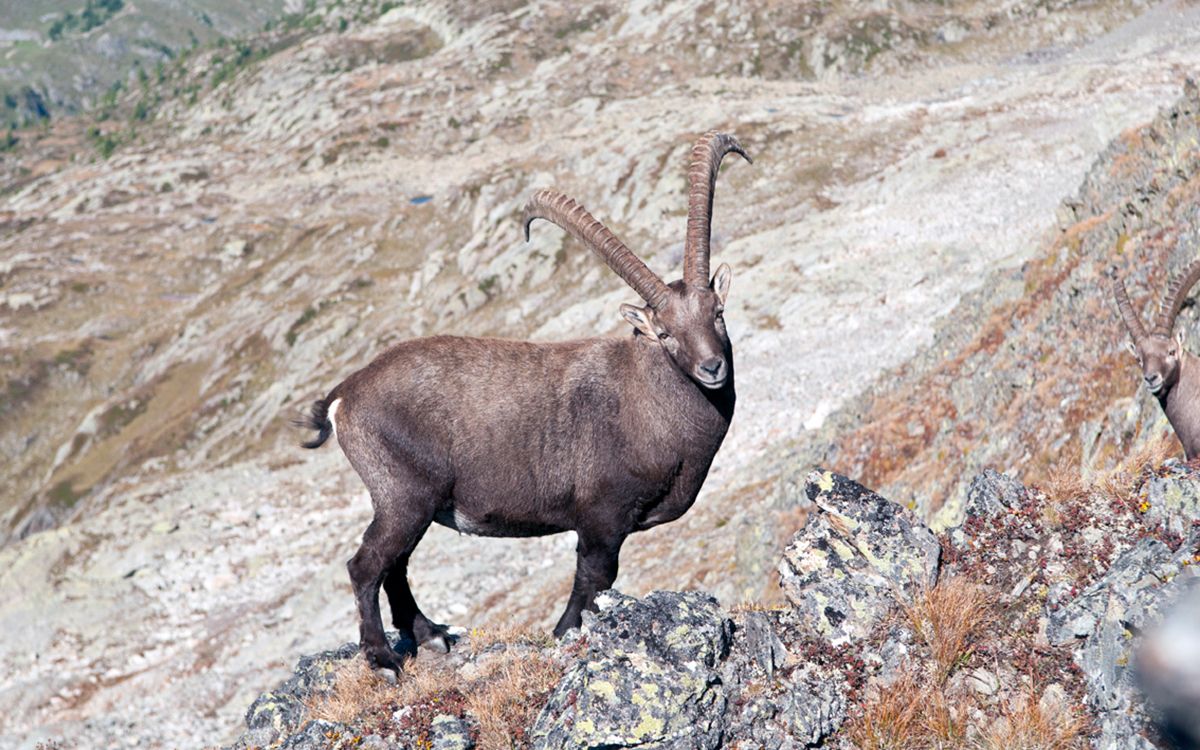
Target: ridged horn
{"x": 702, "y": 178}
{"x": 1133, "y": 324}
{"x": 555, "y": 207}
{"x": 1177, "y": 291}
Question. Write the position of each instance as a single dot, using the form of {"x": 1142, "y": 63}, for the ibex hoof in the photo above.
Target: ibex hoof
{"x": 381, "y": 658}
{"x": 439, "y": 642}
{"x": 436, "y": 637}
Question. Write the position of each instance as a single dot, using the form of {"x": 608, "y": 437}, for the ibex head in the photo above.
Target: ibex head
{"x": 686, "y": 317}
{"x": 1158, "y": 353}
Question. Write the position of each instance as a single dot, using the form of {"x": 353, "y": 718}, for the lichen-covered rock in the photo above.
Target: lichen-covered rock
{"x": 276, "y": 713}
{"x": 450, "y": 733}
{"x": 1106, "y": 620}
{"x": 646, "y": 679}
{"x": 816, "y": 706}
{"x": 762, "y": 644}
{"x": 278, "y": 716}
{"x": 781, "y": 695}
{"x": 857, "y": 552}
{"x": 989, "y": 494}
{"x": 322, "y": 735}
{"x": 1172, "y": 501}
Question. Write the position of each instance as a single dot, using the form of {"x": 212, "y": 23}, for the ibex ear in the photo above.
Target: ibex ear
{"x": 720, "y": 282}
{"x": 1179, "y": 343}
{"x": 639, "y": 318}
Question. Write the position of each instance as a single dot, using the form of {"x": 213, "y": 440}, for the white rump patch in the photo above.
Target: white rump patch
{"x": 332, "y": 413}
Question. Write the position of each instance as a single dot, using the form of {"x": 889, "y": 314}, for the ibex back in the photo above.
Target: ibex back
{"x": 603, "y": 436}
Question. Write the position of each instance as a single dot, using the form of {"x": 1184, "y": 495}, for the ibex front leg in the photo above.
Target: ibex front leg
{"x": 595, "y": 571}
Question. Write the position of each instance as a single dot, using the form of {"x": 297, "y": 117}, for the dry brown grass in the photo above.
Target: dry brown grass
{"x": 356, "y": 687}
{"x": 915, "y": 714}
{"x": 1065, "y": 485}
{"x": 947, "y": 619}
{"x": 1119, "y": 482}
{"x": 505, "y": 698}
{"x": 891, "y": 718}
{"x": 509, "y": 696}
{"x": 422, "y": 680}
{"x": 945, "y": 723}
{"x": 910, "y": 714}
{"x": 760, "y": 605}
{"x": 1153, "y": 453}
{"x": 480, "y": 639}
{"x": 1028, "y": 727}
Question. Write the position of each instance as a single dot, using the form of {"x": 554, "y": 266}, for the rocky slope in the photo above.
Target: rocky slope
{"x": 164, "y": 311}
{"x": 1022, "y": 627}
{"x": 1037, "y": 376}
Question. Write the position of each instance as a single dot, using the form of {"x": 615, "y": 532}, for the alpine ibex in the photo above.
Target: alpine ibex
{"x": 603, "y": 436}
{"x": 1171, "y": 374}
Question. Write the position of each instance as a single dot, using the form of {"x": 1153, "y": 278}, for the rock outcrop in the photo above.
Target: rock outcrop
{"x": 856, "y": 559}
{"x": 647, "y": 677}
{"x": 1041, "y": 595}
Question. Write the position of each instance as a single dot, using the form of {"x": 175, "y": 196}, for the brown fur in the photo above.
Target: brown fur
{"x": 603, "y": 436}
{"x": 1169, "y": 372}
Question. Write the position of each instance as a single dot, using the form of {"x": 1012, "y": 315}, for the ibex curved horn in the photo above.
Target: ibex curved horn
{"x": 702, "y": 178}
{"x": 1177, "y": 291}
{"x": 1133, "y": 324}
{"x": 553, "y": 206}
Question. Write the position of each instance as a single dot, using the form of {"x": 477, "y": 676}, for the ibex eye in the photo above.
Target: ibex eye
{"x": 664, "y": 336}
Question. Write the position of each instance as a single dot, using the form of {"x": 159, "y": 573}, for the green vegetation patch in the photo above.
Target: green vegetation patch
{"x": 64, "y": 493}
{"x": 94, "y": 15}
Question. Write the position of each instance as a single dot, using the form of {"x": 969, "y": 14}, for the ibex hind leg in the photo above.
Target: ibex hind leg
{"x": 389, "y": 539}
{"x": 407, "y": 616}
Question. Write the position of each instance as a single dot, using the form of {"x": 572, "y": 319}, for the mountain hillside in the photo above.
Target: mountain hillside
{"x": 175, "y": 287}
{"x": 58, "y": 58}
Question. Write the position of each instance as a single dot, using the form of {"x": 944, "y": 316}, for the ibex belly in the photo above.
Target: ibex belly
{"x": 493, "y": 524}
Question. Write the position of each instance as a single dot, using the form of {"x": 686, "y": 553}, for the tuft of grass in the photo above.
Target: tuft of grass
{"x": 504, "y": 697}
{"x": 508, "y": 698}
{"x": 759, "y": 605}
{"x": 891, "y": 718}
{"x": 945, "y": 724}
{"x": 1118, "y": 484}
{"x": 1153, "y": 453}
{"x": 1065, "y": 485}
{"x": 947, "y": 619}
{"x": 911, "y": 714}
{"x": 1028, "y": 726}
{"x": 356, "y": 687}
{"x": 480, "y": 639}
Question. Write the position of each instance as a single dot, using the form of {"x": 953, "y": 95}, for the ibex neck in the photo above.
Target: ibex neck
{"x": 1181, "y": 403}
{"x": 678, "y": 393}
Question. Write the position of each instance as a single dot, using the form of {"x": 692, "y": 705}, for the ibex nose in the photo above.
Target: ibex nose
{"x": 713, "y": 368}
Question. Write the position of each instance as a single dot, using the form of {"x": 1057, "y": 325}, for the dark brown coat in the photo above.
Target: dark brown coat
{"x": 603, "y": 436}
{"x": 1171, "y": 374}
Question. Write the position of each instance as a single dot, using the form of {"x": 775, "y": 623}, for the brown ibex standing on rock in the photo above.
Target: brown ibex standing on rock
{"x": 603, "y": 436}
{"x": 1171, "y": 374}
